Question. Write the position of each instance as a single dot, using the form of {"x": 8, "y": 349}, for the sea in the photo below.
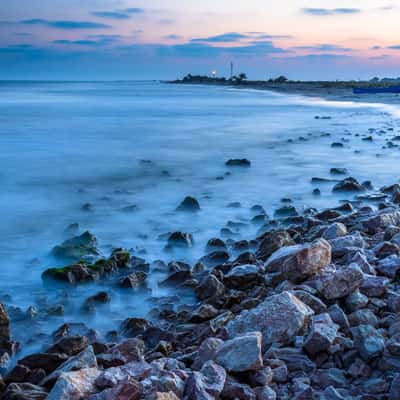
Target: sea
{"x": 132, "y": 151}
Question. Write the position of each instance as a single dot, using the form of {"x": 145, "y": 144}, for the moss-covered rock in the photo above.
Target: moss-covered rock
{"x": 83, "y": 247}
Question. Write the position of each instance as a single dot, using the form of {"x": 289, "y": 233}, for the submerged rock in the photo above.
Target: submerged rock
{"x": 189, "y": 204}
{"x": 236, "y": 162}
{"x": 180, "y": 239}
{"x": 348, "y": 185}
{"x": 78, "y": 248}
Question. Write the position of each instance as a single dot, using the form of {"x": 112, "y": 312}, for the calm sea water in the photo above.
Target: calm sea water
{"x": 148, "y": 144}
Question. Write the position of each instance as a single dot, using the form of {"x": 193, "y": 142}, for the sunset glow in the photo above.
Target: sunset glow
{"x": 159, "y": 39}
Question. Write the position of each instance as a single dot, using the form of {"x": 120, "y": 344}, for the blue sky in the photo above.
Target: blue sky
{"x": 163, "y": 39}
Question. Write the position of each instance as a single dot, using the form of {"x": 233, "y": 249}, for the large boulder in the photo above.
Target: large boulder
{"x": 242, "y": 353}
{"x": 340, "y": 283}
{"x": 279, "y": 318}
{"x": 299, "y": 262}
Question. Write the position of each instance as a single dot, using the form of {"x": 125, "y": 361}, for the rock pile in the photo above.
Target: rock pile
{"x": 310, "y": 310}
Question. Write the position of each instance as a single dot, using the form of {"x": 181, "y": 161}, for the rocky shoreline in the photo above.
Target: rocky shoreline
{"x": 310, "y": 309}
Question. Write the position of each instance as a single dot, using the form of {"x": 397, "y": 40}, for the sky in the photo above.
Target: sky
{"x": 166, "y": 39}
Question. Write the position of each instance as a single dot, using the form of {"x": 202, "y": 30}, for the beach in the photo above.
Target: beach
{"x": 169, "y": 225}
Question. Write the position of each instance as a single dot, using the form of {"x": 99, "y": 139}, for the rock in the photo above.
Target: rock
{"x": 348, "y": 185}
{"x": 133, "y": 327}
{"x": 206, "y": 384}
{"x": 24, "y": 391}
{"x": 328, "y": 215}
{"x": 323, "y": 334}
{"x": 128, "y": 389}
{"x": 207, "y": 351}
{"x": 236, "y": 162}
{"x": 203, "y": 313}
{"x": 335, "y": 377}
{"x": 265, "y": 393}
{"x": 85, "y": 359}
{"x": 215, "y": 244}
{"x": 5, "y": 336}
{"x": 299, "y": 262}
{"x": 271, "y": 242}
{"x": 242, "y": 275}
{"x": 74, "y": 385}
{"x": 363, "y": 317}
{"x": 242, "y": 353}
{"x": 374, "y": 286}
{"x": 335, "y": 231}
{"x": 339, "y": 171}
{"x": 341, "y": 245}
{"x": 123, "y": 353}
{"x": 47, "y": 361}
{"x": 110, "y": 377}
{"x": 210, "y": 287}
{"x": 70, "y": 345}
{"x": 180, "y": 239}
{"x": 381, "y": 221}
{"x": 317, "y": 305}
{"x": 86, "y": 272}
{"x": 394, "y": 393}
{"x": 78, "y": 248}
{"x": 356, "y": 301}
{"x": 339, "y": 317}
{"x": 286, "y": 211}
{"x": 233, "y": 390}
{"x": 279, "y": 318}
{"x": 340, "y": 283}
{"x": 189, "y": 204}
{"x": 134, "y": 281}
{"x": 215, "y": 258}
{"x": 368, "y": 341}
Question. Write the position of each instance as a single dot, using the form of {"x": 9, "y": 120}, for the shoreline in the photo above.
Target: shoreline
{"x": 331, "y": 91}
{"x": 312, "y": 303}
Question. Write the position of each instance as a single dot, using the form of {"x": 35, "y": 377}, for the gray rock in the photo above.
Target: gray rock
{"x": 110, "y": 377}
{"x": 279, "y": 318}
{"x": 322, "y": 335}
{"x": 368, "y": 341}
{"x": 206, "y": 384}
{"x": 242, "y": 353}
{"x": 341, "y": 283}
{"x": 335, "y": 231}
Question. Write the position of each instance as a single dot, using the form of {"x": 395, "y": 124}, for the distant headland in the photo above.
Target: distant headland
{"x": 331, "y": 89}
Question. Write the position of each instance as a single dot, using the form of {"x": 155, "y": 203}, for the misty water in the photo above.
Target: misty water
{"x": 147, "y": 144}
